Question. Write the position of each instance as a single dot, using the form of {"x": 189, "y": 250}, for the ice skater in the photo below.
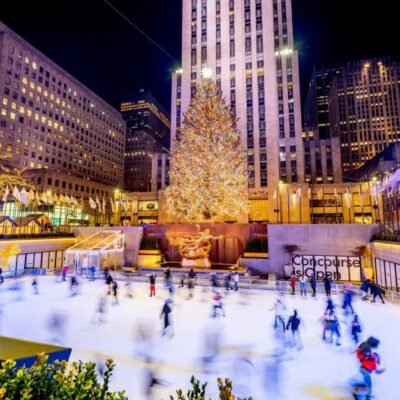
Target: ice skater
{"x": 227, "y": 281}
{"x": 292, "y": 284}
{"x": 369, "y": 362}
{"x": 280, "y": 310}
{"x": 327, "y": 284}
{"x": 331, "y": 327}
{"x": 236, "y": 281}
{"x": 313, "y": 284}
{"x": 100, "y": 311}
{"x": 115, "y": 292}
{"x": 303, "y": 283}
{"x": 330, "y": 307}
{"x": 364, "y": 289}
{"x": 214, "y": 281}
{"x": 73, "y": 286}
{"x": 152, "y": 280}
{"x": 165, "y": 312}
{"x": 347, "y": 299}
{"x": 293, "y": 325}
{"x": 92, "y": 272}
{"x": 56, "y": 325}
{"x": 109, "y": 283}
{"x": 377, "y": 291}
{"x": 191, "y": 277}
{"x": 356, "y": 329}
{"x": 64, "y": 272}
{"x": 218, "y": 305}
{"x": 35, "y": 286}
{"x": 182, "y": 281}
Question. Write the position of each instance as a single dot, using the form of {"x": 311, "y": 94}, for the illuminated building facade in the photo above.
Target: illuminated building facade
{"x": 364, "y": 109}
{"x": 148, "y": 134}
{"x": 69, "y": 139}
{"x": 248, "y": 47}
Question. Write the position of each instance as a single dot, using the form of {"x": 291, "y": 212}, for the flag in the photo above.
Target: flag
{"x": 309, "y": 193}
{"x": 56, "y": 199}
{"x": 104, "y": 207}
{"x": 298, "y": 194}
{"x": 275, "y": 194}
{"x": 73, "y": 201}
{"x": 335, "y": 191}
{"x": 16, "y": 194}
{"x": 31, "y": 196}
{"x": 38, "y": 201}
{"x": 348, "y": 198}
{"x": 320, "y": 194}
{"x": 5, "y": 196}
{"x": 62, "y": 199}
{"x": 119, "y": 203}
{"x": 23, "y": 197}
{"x": 49, "y": 199}
{"x": 112, "y": 205}
{"x": 126, "y": 205}
{"x": 134, "y": 206}
{"x": 98, "y": 203}
{"x": 92, "y": 203}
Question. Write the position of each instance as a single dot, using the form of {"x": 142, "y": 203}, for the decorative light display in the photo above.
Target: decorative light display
{"x": 208, "y": 168}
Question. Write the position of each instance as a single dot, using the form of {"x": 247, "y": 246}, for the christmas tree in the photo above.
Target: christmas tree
{"x": 208, "y": 168}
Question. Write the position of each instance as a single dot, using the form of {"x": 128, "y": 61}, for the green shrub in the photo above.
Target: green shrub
{"x": 257, "y": 245}
{"x": 198, "y": 391}
{"x": 149, "y": 243}
{"x": 60, "y": 380}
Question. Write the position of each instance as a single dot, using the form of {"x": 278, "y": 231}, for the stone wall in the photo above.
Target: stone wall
{"x": 318, "y": 240}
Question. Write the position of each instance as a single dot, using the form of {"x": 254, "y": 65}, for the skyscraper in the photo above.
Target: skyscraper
{"x": 248, "y": 47}
{"x": 148, "y": 133}
{"x": 364, "y": 109}
{"x": 66, "y": 136}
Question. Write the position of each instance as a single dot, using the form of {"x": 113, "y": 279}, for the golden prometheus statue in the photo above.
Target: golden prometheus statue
{"x": 195, "y": 249}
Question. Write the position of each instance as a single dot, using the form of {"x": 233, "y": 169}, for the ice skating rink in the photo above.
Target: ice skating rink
{"x": 248, "y": 351}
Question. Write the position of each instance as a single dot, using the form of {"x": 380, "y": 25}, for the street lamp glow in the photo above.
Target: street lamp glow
{"x": 207, "y": 73}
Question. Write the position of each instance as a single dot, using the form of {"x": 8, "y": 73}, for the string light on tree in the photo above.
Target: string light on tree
{"x": 208, "y": 168}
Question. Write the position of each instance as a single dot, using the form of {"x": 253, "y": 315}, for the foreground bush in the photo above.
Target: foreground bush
{"x": 198, "y": 391}
{"x": 58, "y": 381}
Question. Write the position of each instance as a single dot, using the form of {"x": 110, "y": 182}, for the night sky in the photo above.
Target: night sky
{"x": 90, "y": 41}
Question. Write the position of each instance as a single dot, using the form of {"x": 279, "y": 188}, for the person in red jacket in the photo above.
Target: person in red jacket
{"x": 369, "y": 362}
{"x": 292, "y": 284}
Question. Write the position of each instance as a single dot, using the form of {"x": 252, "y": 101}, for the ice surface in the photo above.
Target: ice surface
{"x": 249, "y": 351}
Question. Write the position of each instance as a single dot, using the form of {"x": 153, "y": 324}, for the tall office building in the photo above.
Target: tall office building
{"x": 64, "y": 134}
{"x": 364, "y": 109}
{"x": 248, "y": 46}
{"x": 148, "y": 133}
{"x": 316, "y": 104}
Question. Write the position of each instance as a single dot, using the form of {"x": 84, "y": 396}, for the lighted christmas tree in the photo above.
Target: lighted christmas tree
{"x": 208, "y": 169}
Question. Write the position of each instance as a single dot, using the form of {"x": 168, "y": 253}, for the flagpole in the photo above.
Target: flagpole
{"x": 336, "y": 204}
{"x": 312, "y": 204}
{"x": 301, "y": 219}
{"x": 323, "y": 202}
{"x": 288, "y": 200}
{"x": 277, "y": 204}
{"x": 362, "y": 204}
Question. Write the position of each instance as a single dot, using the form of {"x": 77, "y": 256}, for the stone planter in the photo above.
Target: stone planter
{"x": 149, "y": 258}
{"x": 255, "y": 262}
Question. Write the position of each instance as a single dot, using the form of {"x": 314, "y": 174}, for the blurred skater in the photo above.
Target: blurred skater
{"x": 293, "y": 325}
{"x": 292, "y": 284}
{"x": 377, "y": 291}
{"x": 101, "y": 309}
{"x": 109, "y": 283}
{"x": 356, "y": 329}
{"x": 348, "y": 299}
{"x": 236, "y": 281}
{"x": 115, "y": 292}
{"x": 92, "y": 272}
{"x": 191, "y": 277}
{"x": 218, "y": 306}
{"x": 303, "y": 283}
{"x": 369, "y": 362}
{"x": 64, "y": 272}
{"x": 73, "y": 286}
{"x": 165, "y": 312}
{"x": 56, "y": 324}
{"x": 327, "y": 284}
{"x": 152, "y": 280}
{"x": 313, "y": 284}
{"x": 35, "y": 286}
{"x": 364, "y": 289}
{"x": 280, "y": 310}
{"x": 227, "y": 281}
